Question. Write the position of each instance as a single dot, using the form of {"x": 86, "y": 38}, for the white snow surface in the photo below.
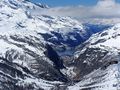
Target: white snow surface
{"x": 17, "y": 21}
{"x": 107, "y": 40}
{"x": 108, "y": 79}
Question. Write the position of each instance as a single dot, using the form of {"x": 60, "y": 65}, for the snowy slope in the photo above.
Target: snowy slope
{"x": 30, "y": 46}
{"x": 24, "y": 62}
{"x": 59, "y": 31}
{"x": 97, "y": 62}
{"x": 109, "y": 38}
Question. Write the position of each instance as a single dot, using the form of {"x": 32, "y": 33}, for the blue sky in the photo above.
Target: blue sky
{"x": 82, "y": 9}
{"x": 55, "y": 3}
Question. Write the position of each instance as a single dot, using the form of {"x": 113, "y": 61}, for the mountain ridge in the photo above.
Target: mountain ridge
{"x": 32, "y": 49}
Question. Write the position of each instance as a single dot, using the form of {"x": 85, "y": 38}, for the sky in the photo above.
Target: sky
{"x": 81, "y": 8}
{"x": 55, "y": 3}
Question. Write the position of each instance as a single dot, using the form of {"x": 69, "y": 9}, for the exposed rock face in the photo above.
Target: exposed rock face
{"x": 97, "y": 62}
{"x": 36, "y": 52}
{"x": 88, "y": 61}
{"x": 26, "y": 60}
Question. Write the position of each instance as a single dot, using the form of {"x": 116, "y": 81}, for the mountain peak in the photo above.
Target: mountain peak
{"x": 12, "y": 3}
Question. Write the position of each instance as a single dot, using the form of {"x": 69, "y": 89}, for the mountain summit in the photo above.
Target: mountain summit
{"x": 27, "y": 58}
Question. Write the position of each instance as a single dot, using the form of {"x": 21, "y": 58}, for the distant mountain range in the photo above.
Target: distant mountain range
{"x": 55, "y": 53}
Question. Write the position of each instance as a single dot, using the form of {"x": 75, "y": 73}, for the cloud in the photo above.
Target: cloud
{"x": 104, "y": 8}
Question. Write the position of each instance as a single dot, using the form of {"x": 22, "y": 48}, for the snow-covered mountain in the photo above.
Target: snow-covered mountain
{"x": 31, "y": 45}
{"x": 34, "y": 51}
{"x": 24, "y": 60}
{"x": 97, "y": 62}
